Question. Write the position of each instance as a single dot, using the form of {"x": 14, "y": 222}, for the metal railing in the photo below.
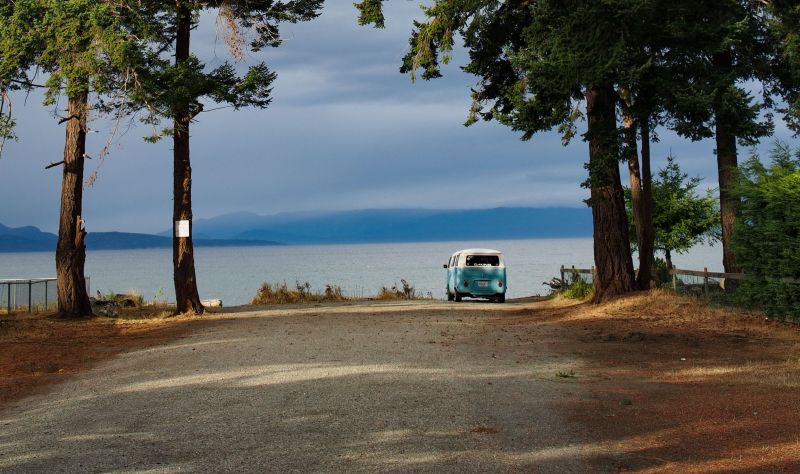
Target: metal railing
{"x": 34, "y": 294}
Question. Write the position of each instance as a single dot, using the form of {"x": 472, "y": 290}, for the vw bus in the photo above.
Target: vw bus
{"x": 476, "y": 273}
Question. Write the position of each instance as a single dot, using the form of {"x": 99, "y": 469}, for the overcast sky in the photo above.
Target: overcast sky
{"x": 345, "y": 131}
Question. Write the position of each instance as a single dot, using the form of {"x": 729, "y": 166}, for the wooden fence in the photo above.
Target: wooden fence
{"x": 706, "y": 275}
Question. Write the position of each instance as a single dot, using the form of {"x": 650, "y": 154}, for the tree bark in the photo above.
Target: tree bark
{"x": 726, "y": 168}
{"x": 73, "y": 300}
{"x": 647, "y": 244}
{"x": 630, "y": 129}
{"x": 186, "y": 296}
{"x": 612, "y": 252}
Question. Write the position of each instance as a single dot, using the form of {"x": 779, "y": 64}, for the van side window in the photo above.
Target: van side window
{"x": 483, "y": 261}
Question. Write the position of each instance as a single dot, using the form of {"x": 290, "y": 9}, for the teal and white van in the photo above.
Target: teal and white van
{"x": 476, "y": 273}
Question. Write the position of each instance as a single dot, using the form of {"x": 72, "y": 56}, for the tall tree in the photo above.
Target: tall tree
{"x": 86, "y": 48}
{"x": 784, "y": 29}
{"x": 717, "y": 46}
{"x": 184, "y": 87}
{"x": 539, "y": 64}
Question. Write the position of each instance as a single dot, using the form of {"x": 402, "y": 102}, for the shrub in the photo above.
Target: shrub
{"x": 270, "y": 293}
{"x": 767, "y": 238}
{"x": 577, "y": 289}
{"x": 405, "y": 292}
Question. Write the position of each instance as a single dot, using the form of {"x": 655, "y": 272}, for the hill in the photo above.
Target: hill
{"x": 31, "y": 239}
{"x": 400, "y": 225}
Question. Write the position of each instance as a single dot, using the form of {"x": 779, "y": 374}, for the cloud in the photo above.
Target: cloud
{"x": 345, "y": 130}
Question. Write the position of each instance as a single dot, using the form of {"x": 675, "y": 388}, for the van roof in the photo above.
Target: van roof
{"x": 480, "y": 252}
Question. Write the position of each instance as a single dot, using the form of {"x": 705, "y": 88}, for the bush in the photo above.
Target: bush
{"x": 281, "y": 294}
{"x": 577, "y": 288}
{"x": 767, "y": 238}
{"x": 405, "y": 292}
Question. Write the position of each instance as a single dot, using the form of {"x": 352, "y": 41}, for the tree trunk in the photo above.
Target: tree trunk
{"x": 612, "y": 252}
{"x": 647, "y": 244}
{"x": 726, "y": 167}
{"x": 186, "y": 295}
{"x": 637, "y": 194}
{"x": 73, "y": 301}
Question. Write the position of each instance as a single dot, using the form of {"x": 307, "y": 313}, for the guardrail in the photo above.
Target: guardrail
{"x": 33, "y": 294}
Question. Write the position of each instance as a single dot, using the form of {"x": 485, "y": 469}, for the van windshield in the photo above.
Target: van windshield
{"x": 483, "y": 261}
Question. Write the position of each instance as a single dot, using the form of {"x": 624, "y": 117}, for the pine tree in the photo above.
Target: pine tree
{"x": 88, "y": 49}
{"x": 539, "y": 65}
{"x": 178, "y": 93}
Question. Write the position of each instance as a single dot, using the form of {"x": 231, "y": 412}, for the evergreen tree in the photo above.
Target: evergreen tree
{"x": 681, "y": 218}
{"x": 540, "y": 64}
{"x": 784, "y": 29}
{"x": 88, "y": 49}
{"x": 178, "y": 93}
{"x": 716, "y": 46}
{"x": 767, "y": 238}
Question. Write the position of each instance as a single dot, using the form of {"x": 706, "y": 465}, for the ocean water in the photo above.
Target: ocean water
{"x": 233, "y": 274}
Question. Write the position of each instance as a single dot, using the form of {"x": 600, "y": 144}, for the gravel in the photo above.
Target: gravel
{"x": 370, "y": 387}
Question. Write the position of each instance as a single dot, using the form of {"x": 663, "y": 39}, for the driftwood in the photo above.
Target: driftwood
{"x": 554, "y": 283}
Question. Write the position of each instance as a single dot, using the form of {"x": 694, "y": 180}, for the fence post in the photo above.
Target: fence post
{"x": 705, "y": 283}
{"x": 9, "y": 298}
{"x": 46, "y": 305}
{"x": 563, "y": 283}
{"x": 30, "y": 296}
{"x": 674, "y": 280}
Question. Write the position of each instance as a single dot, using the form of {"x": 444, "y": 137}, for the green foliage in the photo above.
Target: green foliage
{"x": 784, "y": 23}
{"x": 767, "y": 239}
{"x": 681, "y": 218}
{"x": 577, "y": 289}
{"x": 176, "y": 90}
{"x": 370, "y": 13}
{"x": 81, "y": 45}
{"x": 713, "y": 48}
{"x": 281, "y": 294}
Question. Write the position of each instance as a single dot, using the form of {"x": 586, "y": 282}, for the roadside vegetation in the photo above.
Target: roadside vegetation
{"x": 282, "y": 293}
{"x": 270, "y": 293}
{"x": 405, "y": 291}
{"x": 577, "y": 288}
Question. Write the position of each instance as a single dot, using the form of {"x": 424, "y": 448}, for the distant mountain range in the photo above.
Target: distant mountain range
{"x": 399, "y": 225}
{"x": 361, "y": 226}
{"x": 31, "y": 239}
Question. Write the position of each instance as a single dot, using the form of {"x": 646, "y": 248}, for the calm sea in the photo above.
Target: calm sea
{"x": 234, "y": 274}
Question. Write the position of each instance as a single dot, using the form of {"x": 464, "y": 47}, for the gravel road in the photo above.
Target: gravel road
{"x": 369, "y": 387}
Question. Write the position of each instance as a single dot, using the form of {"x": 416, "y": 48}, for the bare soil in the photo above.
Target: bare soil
{"x": 674, "y": 386}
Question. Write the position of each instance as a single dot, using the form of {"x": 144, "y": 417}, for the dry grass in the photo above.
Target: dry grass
{"x": 709, "y": 389}
{"x": 302, "y": 293}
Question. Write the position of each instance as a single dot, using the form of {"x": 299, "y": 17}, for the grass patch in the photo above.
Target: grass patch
{"x": 577, "y": 288}
{"x": 301, "y": 293}
{"x": 566, "y": 375}
{"x": 405, "y": 291}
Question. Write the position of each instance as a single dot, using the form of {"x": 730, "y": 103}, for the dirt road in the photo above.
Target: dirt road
{"x": 389, "y": 387}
